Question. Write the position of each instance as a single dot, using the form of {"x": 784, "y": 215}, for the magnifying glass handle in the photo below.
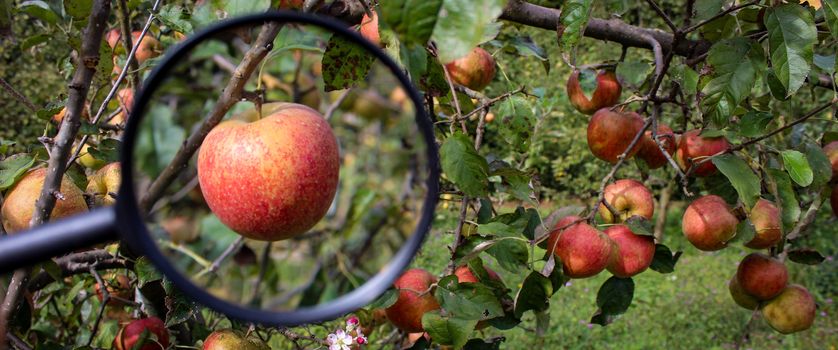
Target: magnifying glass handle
{"x": 56, "y": 238}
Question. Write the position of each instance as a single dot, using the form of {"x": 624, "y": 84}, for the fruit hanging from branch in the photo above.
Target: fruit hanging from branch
{"x": 634, "y": 252}
{"x": 606, "y": 93}
{"x": 694, "y": 148}
{"x": 765, "y": 217}
{"x": 19, "y": 204}
{"x": 629, "y": 198}
{"x": 792, "y": 311}
{"x": 584, "y": 251}
{"x": 610, "y": 134}
{"x": 415, "y": 299}
{"x": 143, "y": 334}
{"x": 762, "y": 276}
{"x": 228, "y": 339}
{"x": 708, "y": 223}
{"x": 272, "y": 178}
{"x": 103, "y": 184}
{"x": 474, "y": 70}
{"x": 739, "y": 296}
{"x": 651, "y": 153}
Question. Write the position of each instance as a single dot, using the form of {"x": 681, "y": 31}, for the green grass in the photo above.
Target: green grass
{"x": 688, "y": 309}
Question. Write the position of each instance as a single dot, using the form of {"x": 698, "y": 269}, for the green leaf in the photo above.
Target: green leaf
{"x": 830, "y": 14}
{"x": 633, "y": 72}
{"x": 412, "y": 20}
{"x": 705, "y": 9}
{"x": 468, "y": 301}
{"x": 39, "y": 10}
{"x": 146, "y": 272}
{"x": 613, "y": 298}
{"x": 515, "y": 182}
{"x": 790, "y": 206}
{"x": 511, "y": 254}
{"x": 735, "y": 63}
{"x": 464, "y": 166}
{"x": 107, "y": 150}
{"x": 791, "y": 40}
{"x": 819, "y": 162}
{"x": 447, "y": 330}
{"x": 180, "y": 307}
{"x": 826, "y": 63}
{"x": 745, "y": 232}
{"x": 640, "y": 226}
{"x": 806, "y": 256}
{"x": 527, "y": 47}
{"x": 385, "y": 300}
{"x": 572, "y": 22}
{"x": 34, "y": 40}
{"x": 464, "y": 24}
{"x": 240, "y": 7}
{"x": 534, "y": 294}
{"x": 516, "y": 122}
{"x": 664, "y": 260}
{"x": 78, "y": 9}
{"x": 415, "y": 59}
{"x": 344, "y": 63}
{"x": 740, "y": 176}
{"x": 798, "y": 167}
{"x": 173, "y": 17}
{"x": 433, "y": 80}
{"x": 12, "y": 168}
{"x": 754, "y": 123}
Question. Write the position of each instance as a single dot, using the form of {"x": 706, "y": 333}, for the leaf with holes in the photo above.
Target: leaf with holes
{"x": 344, "y": 63}
{"x": 572, "y": 22}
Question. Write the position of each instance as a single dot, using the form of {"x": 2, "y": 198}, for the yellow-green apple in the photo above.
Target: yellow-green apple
{"x": 149, "y": 47}
{"x": 118, "y": 285}
{"x": 708, "y": 223}
{"x": 103, "y": 183}
{"x": 87, "y": 159}
{"x": 606, "y": 94}
{"x": 831, "y": 150}
{"x": 273, "y": 178}
{"x": 228, "y": 339}
{"x": 369, "y": 28}
{"x": 583, "y": 250}
{"x": 143, "y": 334}
{"x": 181, "y": 229}
{"x": 415, "y": 299}
{"x": 629, "y": 198}
{"x": 474, "y": 70}
{"x": 766, "y": 219}
{"x": 610, "y": 134}
{"x": 762, "y": 276}
{"x": 792, "y": 311}
{"x": 649, "y": 151}
{"x": 740, "y": 297}
{"x": 19, "y": 203}
{"x": 694, "y": 148}
{"x": 634, "y": 252}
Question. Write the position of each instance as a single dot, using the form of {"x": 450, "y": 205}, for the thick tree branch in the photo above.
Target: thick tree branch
{"x": 78, "y": 263}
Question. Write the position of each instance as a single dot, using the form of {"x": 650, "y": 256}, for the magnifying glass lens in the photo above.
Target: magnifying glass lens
{"x": 310, "y": 173}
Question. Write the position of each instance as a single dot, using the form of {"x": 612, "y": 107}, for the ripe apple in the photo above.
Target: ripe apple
{"x": 694, "y": 148}
{"x": 118, "y": 286}
{"x": 831, "y": 150}
{"x": 228, "y": 339}
{"x": 634, "y": 252}
{"x": 103, "y": 183}
{"x": 369, "y": 28}
{"x": 762, "y": 276}
{"x": 19, "y": 203}
{"x": 607, "y": 92}
{"x": 629, "y": 198}
{"x": 583, "y": 250}
{"x": 272, "y": 178}
{"x": 792, "y": 311}
{"x": 87, "y": 160}
{"x": 474, "y": 70}
{"x": 740, "y": 297}
{"x": 126, "y": 101}
{"x": 129, "y": 336}
{"x": 149, "y": 47}
{"x": 181, "y": 229}
{"x": 414, "y": 300}
{"x": 464, "y": 274}
{"x": 610, "y": 134}
{"x": 766, "y": 219}
{"x": 58, "y": 117}
{"x": 650, "y": 152}
{"x": 708, "y": 223}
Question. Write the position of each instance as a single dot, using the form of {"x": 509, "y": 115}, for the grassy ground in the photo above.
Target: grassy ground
{"x": 688, "y": 309}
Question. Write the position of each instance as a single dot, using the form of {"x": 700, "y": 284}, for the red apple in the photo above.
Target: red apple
{"x": 610, "y": 134}
{"x": 831, "y": 150}
{"x": 766, "y": 219}
{"x": 126, "y": 101}
{"x": 369, "y": 28}
{"x": 474, "y": 71}
{"x": 708, "y": 223}
{"x": 273, "y": 178}
{"x": 634, "y": 252}
{"x": 19, "y": 204}
{"x": 291, "y": 4}
{"x": 694, "y": 148}
{"x": 629, "y": 198}
{"x": 464, "y": 275}
{"x": 740, "y": 297}
{"x": 130, "y": 336}
{"x": 792, "y": 311}
{"x": 583, "y": 250}
{"x": 650, "y": 152}
{"x": 117, "y": 286}
{"x": 607, "y": 92}
{"x": 762, "y": 276}
{"x": 228, "y": 339}
{"x": 148, "y": 48}
{"x": 415, "y": 299}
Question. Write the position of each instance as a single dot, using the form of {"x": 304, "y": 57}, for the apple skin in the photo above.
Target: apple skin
{"x": 761, "y": 276}
{"x": 629, "y": 198}
{"x": 708, "y": 223}
{"x": 274, "y": 178}
{"x": 464, "y": 275}
{"x": 87, "y": 160}
{"x": 130, "y": 334}
{"x": 149, "y": 47}
{"x": 792, "y": 311}
{"x": 634, "y": 252}
{"x": 126, "y": 101}
{"x": 649, "y": 151}
{"x": 610, "y": 134}
{"x": 19, "y": 203}
{"x": 831, "y": 150}
{"x": 228, "y": 339}
{"x": 119, "y": 286}
{"x": 693, "y": 148}
{"x": 740, "y": 297}
{"x": 58, "y": 117}
{"x": 406, "y": 313}
{"x": 104, "y": 182}
{"x": 369, "y": 28}
{"x": 607, "y": 92}
{"x": 474, "y": 70}
{"x": 291, "y": 4}
{"x": 583, "y": 250}
{"x": 767, "y": 223}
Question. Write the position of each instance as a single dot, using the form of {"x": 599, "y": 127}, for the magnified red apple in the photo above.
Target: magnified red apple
{"x": 415, "y": 299}
{"x": 132, "y": 337}
{"x": 708, "y": 223}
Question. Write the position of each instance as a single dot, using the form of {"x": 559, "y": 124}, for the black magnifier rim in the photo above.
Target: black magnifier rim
{"x": 134, "y": 230}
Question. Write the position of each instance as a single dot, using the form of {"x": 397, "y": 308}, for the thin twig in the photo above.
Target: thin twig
{"x": 719, "y": 15}
{"x": 17, "y": 95}
{"x": 663, "y": 15}
{"x": 263, "y": 268}
{"x": 106, "y": 297}
{"x": 233, "y": 247}
{"x": 132, "y": 64}
{"x": 334, "y": 106}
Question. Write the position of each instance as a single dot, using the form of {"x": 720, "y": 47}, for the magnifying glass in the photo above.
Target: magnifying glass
{"x": 293, "y": 193}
